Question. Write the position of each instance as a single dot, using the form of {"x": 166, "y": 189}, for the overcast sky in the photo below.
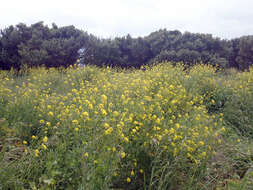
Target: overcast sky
{"x": 111, "y": 18}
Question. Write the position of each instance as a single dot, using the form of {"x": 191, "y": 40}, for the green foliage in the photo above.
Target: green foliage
{"x": 245, "y": 53}
{"x": 97, "y": 128}
{"x": 24, "y": 46}
{"x": 37, "y": 45}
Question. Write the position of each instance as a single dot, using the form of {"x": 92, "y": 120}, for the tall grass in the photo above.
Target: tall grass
{"x": 101, "y": 128}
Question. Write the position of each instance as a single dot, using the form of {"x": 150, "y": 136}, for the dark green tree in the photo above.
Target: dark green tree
{"x": 37, "y": 45}
{"x": 244, "y": 58}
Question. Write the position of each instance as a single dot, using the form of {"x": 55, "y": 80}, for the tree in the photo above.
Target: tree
{"x": 245, "y": 54}
{"x": 38, "y": 45}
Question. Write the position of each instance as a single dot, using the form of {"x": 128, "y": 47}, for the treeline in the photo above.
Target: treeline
{"x": 37, "y": 45}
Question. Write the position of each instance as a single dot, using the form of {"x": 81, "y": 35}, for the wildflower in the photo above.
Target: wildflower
{"x": 76, "y": 129}
{"x": 175, "y": 152}
{"x": 50, "y": 113}
{"x": 106, "y": 125}
{"x": 103, "y": 111}
{"x": 42, "y": 121}
{"x": 128, "y": 180}
{"x": 203, "y": 154}
{"x": 44, "y": 146}
{"x": 75, "y": 122}
{"x": 109, "y": 131}
{"x": 48, "y": 124}
{"x": 86, "y": 154}
{"x": 123, "y": 154}
{"x": 36, "y": 152}
{"x": 85, "y": 114}
{"x": 201, "y": 143}
{"x": 132, "y": 173}
{"x": 34, "y": 137}
{"x": 45, "y": 139}
{"x": 104, "y": 98}
{"x": 171, "y": 131}
{"x": 24, "y": 142}
{"x": 115, "y": 113}
{"x": 90, "y": 106}
{"x": 141, "y": 171}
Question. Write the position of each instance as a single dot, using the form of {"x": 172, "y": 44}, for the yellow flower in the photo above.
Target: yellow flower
{"x": 42, "y": 121}
{"x": 201, "y": 143}
{"x": 103, "y": 111}
{"x": 85, "y": 114}
{"x": 141, "y": 171}
{"x": 75, "y": 122}
{"x": 106, "y": 125}
{"x": 115, "y": 174}
{"x": 109, "y": 131}
{"x": 128, "y": 180}
{"x": 115, "y": 113}
{"x": 132, "y": 173}
{"x": 203, "y": 154}
{"x": 45, "y": 139}
{"x": 123, "y": 154}
{"x": 25, "y": 142}
{"x": 36, "y": 152}
{"x": 158, "y": 121}
{"x": 113, "y": 149}
{"x": 48, "y": 124}
{"x": 50, "y": 113}
{"x": 34, "y": 137}
{"x": 86, "y": 154}
{"x": 44, "y": 146}
{"x": 76, "y": 129}
{"x": 104, "y": 98}
{"x": 175, "y": 152}
{"x": 171, "y": 131}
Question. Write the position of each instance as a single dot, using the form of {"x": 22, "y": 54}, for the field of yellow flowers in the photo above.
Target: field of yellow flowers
{"x": 160, "y": 127}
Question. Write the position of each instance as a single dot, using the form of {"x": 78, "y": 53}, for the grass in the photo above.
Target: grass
{"x": 162, "y": 127}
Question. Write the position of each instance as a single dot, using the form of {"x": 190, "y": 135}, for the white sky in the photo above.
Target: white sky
{"x": 111, "y": 18}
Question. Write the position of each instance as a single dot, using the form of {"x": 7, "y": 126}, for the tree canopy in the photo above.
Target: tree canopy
{"x": 38, "y": 44}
